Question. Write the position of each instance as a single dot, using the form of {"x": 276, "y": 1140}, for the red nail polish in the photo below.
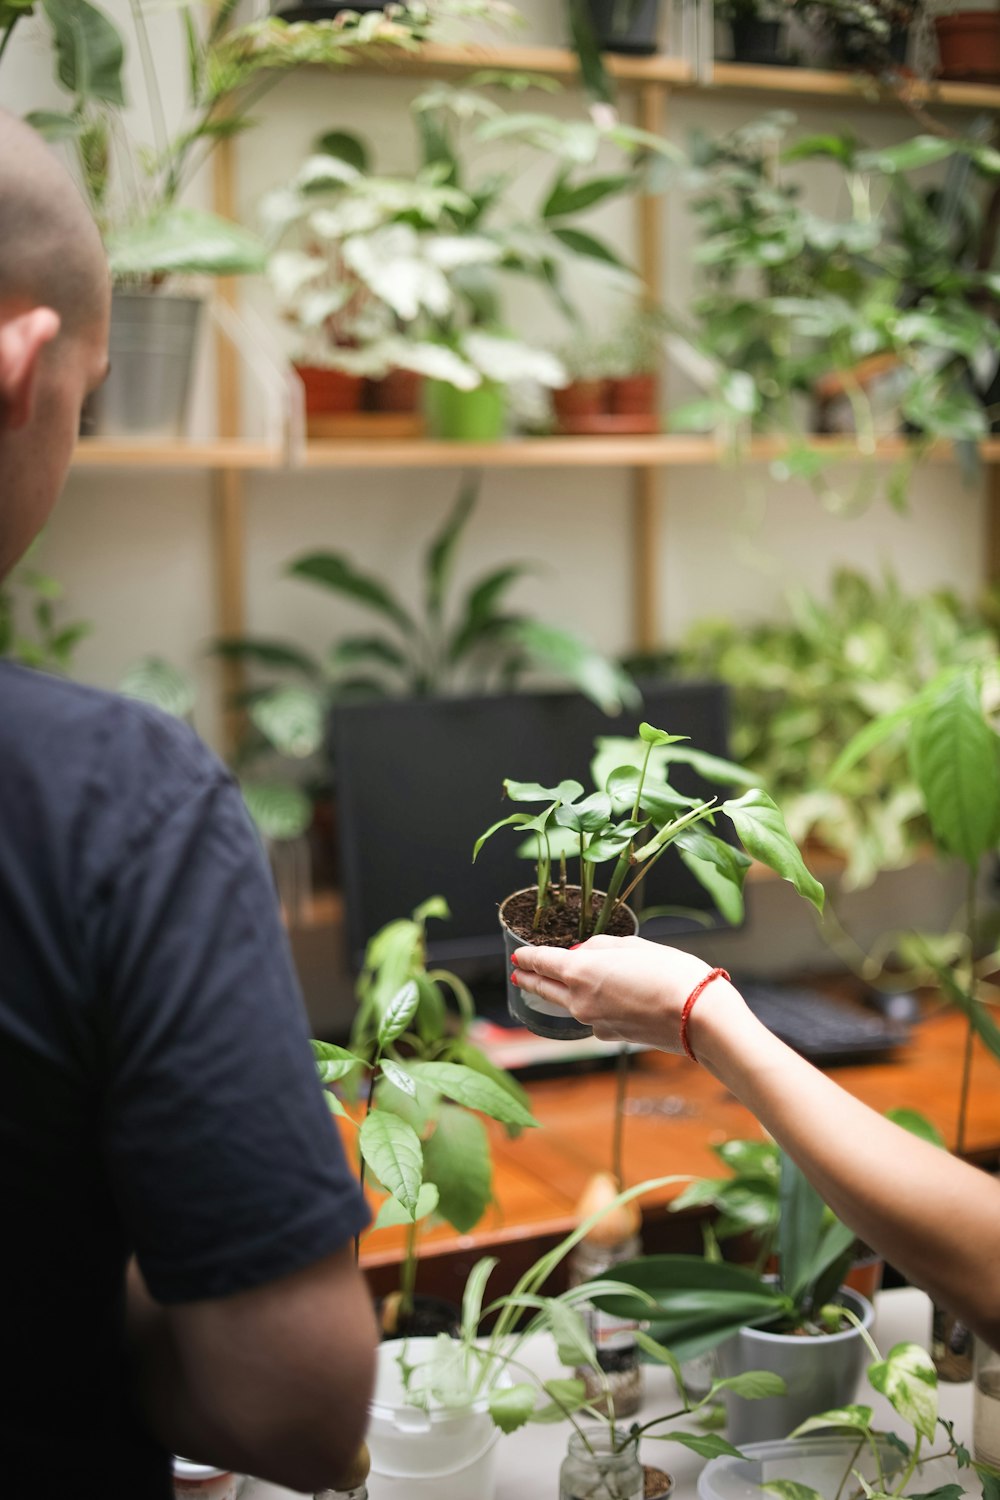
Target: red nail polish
{"x": 513, "y": 977}
{"x": 574, "y": 945}
{"x": 513, "y": 958}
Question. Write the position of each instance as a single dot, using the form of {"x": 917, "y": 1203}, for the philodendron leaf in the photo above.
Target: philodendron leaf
{"x": 713, "y": 767}
{"x": 705, "y": 1444}
{"x": 392, "y": 1150}
{"x": 587, "y": 816}
{"x": 955, "y": 756}
{"x": 652, "y": 736}
{"x": 474, "y": 1090}
{"x": 908, "y": 1380}
{"x": 89, "y": 50}
{"x": 518, "y": 820}
{"x": 853, "y": 1417}
{"x": 918, "y": 1125}
{"x": 727, "y": 895}
{"x": 398, "y": 1014}
{"x": 533, "y": 791}
{"x": 763, "y": 834}
{"x": 593, "y": 674}
{"x": 654, "y": 1350}
{"x": 457, "y": 1161}
{"x": 511, "y": 1406}
{"x": 567, "y": 1396}
{"x": 185, "y": 241}
{"x": 392, "y": 1213}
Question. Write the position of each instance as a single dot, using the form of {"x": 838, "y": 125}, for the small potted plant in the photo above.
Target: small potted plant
{"x": 968, "y": 43}
{"x": 614, "y": 380}
{"x": 793, "y": 1324}
{"x": 629, "y": 823}
{"x": 758, "y": 29}
{"x": 418, "y": 1085}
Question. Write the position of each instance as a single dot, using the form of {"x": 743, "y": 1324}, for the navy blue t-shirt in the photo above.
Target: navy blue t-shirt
{"x": 157, "y": 1092}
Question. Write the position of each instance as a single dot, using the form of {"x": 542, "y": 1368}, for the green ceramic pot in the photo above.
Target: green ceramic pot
{"x": 477, "y": 416}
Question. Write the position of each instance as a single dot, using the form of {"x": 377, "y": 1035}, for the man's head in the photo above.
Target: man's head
{"x": 54, "y": 309}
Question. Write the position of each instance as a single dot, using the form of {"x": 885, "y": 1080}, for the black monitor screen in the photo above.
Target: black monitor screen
{"x": 418, "y": 780}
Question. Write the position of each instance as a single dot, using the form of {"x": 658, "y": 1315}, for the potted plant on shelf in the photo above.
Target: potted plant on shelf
{"x": 406, "y": 272}
{"x": 632, "y": 820}
{"x": 417, "y": 1086}
{"x": 792, "y": 1324}
{"x": 968, "y": 44}
{"x": 758, "y": 31}
{"x": 867, "y": 36}
{"x": 614, "y": 380}
{"x": 135, "y": 190}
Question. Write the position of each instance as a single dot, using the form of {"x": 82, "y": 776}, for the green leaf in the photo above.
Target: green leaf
{"x": 345, "y": 146}
{"x": 352, "y": 649}
{"x": 587, "y": 816}
{"x": 762, "y": 831}
{"x": 184, "y": 241}
{"x": 158, "y": 682}
{"x": 800, "y": 1228}
{"x": 752, "y": 1385}
{"x": 652, "y": 736}
{"x": 479, "y": 614}
{"x": 654, "y": 1350}
{"x": 572, "y": 198}
{"x": 89, "y": 51}
{"x": 589, "y": 246}
{"x": 457, "y": 1161}
{"x": 511, "y": 1406}
{"x": 474, "y": 1090}
{"x": 592, "y": 673}
{"x": 395, "y": 1074}
{"x": 533, "y": 791}
{"x": 398, "y": 1014}
{"x": 908, "y": 1380}
{"x": 790, "y": 1489}
{"x": 874, "y": 733}
{"x": 594, "y": 76}
{"x": 726, "y": 893}
{"x": 292, "y": 719}
{"x": 53, "y": 126}
{"x": 712, "y": 767}
{"x": 334, "y": 1063}
{"x": 279, "y": 810}
{"x": 391, "y": 1212}
{"x": 908, "y": 156}
{"x": 918, "y": 1125}
{"x": 955, "y": 757}
{"x": 333, "y": 571}
{"x": 441, "y": 553}
{"x": 705, "y": 1444}
{"x": 517, "y": 819}
{"x": 267, "y": 653}
{"x": 392, "y": 1150}
{"x": 567, "y": 1396}
{"x": 976, "y": 1011}
{"x": 853, "y": 1417}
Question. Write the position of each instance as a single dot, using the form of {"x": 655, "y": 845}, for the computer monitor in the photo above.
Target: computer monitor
{"x": 419, "y": 779}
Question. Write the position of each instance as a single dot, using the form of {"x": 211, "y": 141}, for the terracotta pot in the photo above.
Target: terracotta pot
{"x": 580, "y": 399}
{"x": 634, "y": 395}
{"x": 400, "y": 390}
{"x": 328, "y": 391}
{"x": 969, "y": 45}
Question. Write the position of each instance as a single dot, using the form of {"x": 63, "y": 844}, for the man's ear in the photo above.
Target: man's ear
{"x": 22, "y": 339}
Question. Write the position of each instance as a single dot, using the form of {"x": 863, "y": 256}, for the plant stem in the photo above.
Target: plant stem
{"x": 408, "y": 1272}
{"x": 970, "y": 1033}
{"x": 625, "y": 858}
{"x": 157, "y": 115}
{"x": 7, "y": 36}
{"x": 621, "y": 1085}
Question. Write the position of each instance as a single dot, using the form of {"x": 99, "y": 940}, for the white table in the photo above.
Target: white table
{"x": 528, "y": 1460}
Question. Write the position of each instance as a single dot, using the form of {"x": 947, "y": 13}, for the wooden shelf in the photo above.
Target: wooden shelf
{"x": 821, "y": 87}
{"x": 162, "y": 453}
{"x": 434, "y": 60}
{"x": 642, "y": 451}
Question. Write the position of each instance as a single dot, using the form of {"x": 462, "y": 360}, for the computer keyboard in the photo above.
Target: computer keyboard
{"x": 821, "y": 1028}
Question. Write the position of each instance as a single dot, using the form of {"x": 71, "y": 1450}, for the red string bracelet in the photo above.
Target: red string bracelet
{"x": 702, "y": 984}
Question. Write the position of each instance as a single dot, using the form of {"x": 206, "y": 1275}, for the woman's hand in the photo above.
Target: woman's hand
{"x": 626, "y": 989}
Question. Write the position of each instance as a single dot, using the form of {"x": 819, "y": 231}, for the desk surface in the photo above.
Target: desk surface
{"x": 675, "y": 1113}
{"x": 528, "y": 1460}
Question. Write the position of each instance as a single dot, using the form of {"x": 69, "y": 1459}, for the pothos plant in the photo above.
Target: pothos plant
{"x": 414, "y": 1086}
{"x": 898, "y": 1466}
{"x": 634, "y": 818}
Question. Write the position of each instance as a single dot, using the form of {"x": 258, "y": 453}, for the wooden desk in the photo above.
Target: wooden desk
{"x": 675, "y": 1113}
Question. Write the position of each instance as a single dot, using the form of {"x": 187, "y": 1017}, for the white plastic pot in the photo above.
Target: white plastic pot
{"x": 442, "y": 1453}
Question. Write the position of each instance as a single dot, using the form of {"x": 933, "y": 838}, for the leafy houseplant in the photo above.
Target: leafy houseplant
{"x": 802, "y": 687}
{"x": 476, "y": 646}
{"x": 422, "y": 1085}
{"x": 634, "y": 817}
{"x": 792, "y": 297}
{"x": 46, "y": 642}
{"x": 758, "y": 28}
{"x": 695, "y": 1304}
{"x": 407, "y": 272}
{"x": 614, "y": 381}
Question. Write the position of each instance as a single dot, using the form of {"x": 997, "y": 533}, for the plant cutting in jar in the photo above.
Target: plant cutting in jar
{"x": 628, "y": 824}
{"x": 496, "y": 1360}
{"x": 415, "y": 1087}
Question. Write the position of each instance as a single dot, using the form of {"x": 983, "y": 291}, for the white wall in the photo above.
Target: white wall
{"x": 134, "y": 549}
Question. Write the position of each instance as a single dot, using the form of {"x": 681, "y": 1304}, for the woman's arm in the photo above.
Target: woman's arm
{"x": 932, "y": 1216}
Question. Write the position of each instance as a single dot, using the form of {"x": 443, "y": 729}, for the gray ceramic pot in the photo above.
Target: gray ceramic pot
{"x": 151, "y": 347}
{"x": 820, "y": 1373}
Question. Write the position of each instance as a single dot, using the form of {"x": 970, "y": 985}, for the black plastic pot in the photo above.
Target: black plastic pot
{"x": 630, "y": 26}
{"x": 758, "y": 41}
{"x": 540, "y": 1016}
{"x": 319, "y": 12}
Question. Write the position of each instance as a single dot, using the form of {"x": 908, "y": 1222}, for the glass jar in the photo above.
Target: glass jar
{"x": 613, "y": 1338}
{"x": 601, "y": 1466}
{"x": 986, "y": 1404}
{"x": 201, "y": 1482}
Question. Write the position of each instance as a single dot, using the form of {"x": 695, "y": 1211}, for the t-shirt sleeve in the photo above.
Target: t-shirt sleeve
{"x": 224, "y": 1161}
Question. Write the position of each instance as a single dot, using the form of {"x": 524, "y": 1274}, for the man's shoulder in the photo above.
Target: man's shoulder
{"x": 57, "y": 726}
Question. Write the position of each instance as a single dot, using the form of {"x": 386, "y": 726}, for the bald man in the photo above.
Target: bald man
{"x": 176, "y": 1274}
